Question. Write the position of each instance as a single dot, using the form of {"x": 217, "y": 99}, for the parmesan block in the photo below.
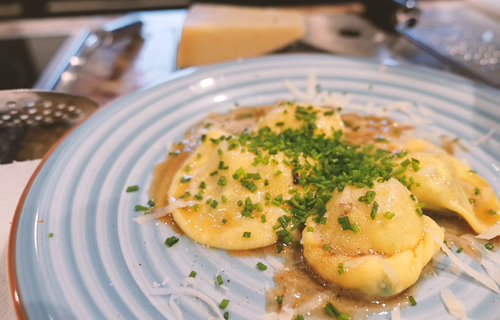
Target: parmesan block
{"x": 216, "y": 33}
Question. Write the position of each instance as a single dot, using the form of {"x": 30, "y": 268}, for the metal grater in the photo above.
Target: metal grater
{"x": 461, "y": 36}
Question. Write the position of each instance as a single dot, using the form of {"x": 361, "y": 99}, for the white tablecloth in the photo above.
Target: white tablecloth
{"x": 13, "y": 179}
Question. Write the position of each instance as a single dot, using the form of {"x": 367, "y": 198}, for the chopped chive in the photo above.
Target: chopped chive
{"x": 331, "y": 310}
{"x": 247, "y": 234}
{"x": 198, "y": 155}
{"x": 220, "y": 152}
{"x": 279, "y": 124}
{"x": 196, "y": 207}
{"x": 224, "y": 199}
{"x": 171, "y": 241}
{"x": 354, "y": 228}
{"x": 374, "y": 210}
{"x": 226, "y": 315}
{"x": 279, "y": 299}
{"x": 185, "y": 179}
{"x": 224, "y": 220}
{"x": 476, "y": 191}
{"x": 50, "y": 235}
{"x": 214, "y": 204}
{"x": 263, "y": 218}
{"x": 192, "y": 274}
{"x": 213, "y": 173}
{"x": 224, "y": 303}
{"x": 277, "y": 173}
{"x": 472, "y": 171}
{"x": 472, "y": 201}
{"x": 489, "y": 246}
{"x": 326, "y": 247}
{"x": 151, "y": 203}
{"x": 310, "y": 229}
{"x": 266, "y": 183}
{"x": 344, "y": 316}
{"x": 222, "y": 181}
{"x": 199, "y": 197}
{"x": 132, "y": 188}
{"x": 300, "y": 317}
{"x": 460, "y": 250}
{"x": 261, "y": 266}
{"x": 389, "y": 215}
{"x": 203, "y": 185}
{"x": 220, "y": 281}
{"x": 492, "y": 212}
{"x": 419, "y": 211}
{"x": 240, "y": 203}
{"x": 413, "y": 302}
{"x": 141, "y": 208}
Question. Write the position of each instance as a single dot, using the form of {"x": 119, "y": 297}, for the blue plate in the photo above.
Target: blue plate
{"x": 100, "y": 264}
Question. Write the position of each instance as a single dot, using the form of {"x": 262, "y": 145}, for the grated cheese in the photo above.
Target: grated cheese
{"x": 354, "y": 263}
{"x": 480, "y": 247}
{"x": 395, "y": 314}
{"x": 179, "y": 291}
{"x": 286, "y": 313}
{"x": 487, "y": 281}
{"x": 162, "y": 212}
{"x": 491, "y": 269}
{"x": 269, "y": 316}
{"x": 189, "y": 282}
{"x": 490, "y": 233}
{"x": 391, "y": 274}
{"x": 312, "y": 303}
{"x": 454, "y": 306}
{"x": 275, "y": 263}
{"x": 311, "y": 86}
{"x": 295, "y": 91}
{"x": 484, "y": 138}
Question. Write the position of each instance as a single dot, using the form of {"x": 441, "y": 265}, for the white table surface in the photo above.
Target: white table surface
{"x": 13, "y": 180}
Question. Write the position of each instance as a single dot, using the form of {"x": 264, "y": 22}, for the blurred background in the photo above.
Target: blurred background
{"x": 106, "y": 49}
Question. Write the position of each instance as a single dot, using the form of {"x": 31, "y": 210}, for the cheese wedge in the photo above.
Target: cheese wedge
{"x": 216, "y": 33}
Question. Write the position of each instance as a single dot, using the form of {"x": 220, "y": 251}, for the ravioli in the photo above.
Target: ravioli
{"x": 460, "y": 190}
{"x": 384, "y": 255}
{"x": 235, "y": 217}
{"x": 285, "y": 116}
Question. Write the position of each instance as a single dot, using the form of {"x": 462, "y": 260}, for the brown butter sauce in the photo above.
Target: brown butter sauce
{"x": 297, "y": 282}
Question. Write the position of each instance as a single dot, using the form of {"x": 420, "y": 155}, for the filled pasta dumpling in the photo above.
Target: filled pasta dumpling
{"x": 373, "y": 240}
{"x": 446, "y": 184}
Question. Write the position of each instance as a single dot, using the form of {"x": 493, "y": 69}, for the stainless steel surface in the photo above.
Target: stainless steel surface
{"x": 460, "y": 36}
{"x": 51, "y": 75}
{"x": 21, "y": 111}
{"x": 110, "y": 33}
{"x": 20, "y": 108}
